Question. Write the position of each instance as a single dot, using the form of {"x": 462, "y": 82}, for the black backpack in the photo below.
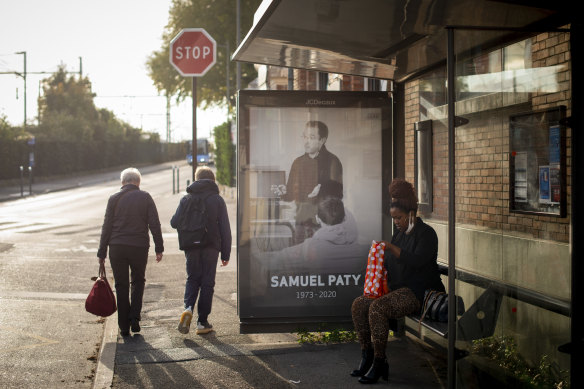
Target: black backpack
{"x": 192, "y": 223}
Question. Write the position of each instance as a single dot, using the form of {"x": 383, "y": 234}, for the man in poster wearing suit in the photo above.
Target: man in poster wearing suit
{"x": 311, "y": 178}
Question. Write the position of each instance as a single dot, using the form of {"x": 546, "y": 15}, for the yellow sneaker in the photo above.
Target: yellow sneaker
{"x": 185, "y": 321}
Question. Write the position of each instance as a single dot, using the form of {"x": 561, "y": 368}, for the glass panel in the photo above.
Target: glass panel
{"x": 513, "y": 269}
{"x": 423, "y": 164}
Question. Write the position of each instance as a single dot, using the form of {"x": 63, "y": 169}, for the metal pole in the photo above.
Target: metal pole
{"x": 177, "y": 179}
{"x": 38, "y": 105}
{"x": 238, "y": 41}
{"x": 30, "y": 180}
{"x": 173, "y": 178}
{"x": 21, "y": 181}
{"x": 577, "y": 120}
{"x": 450, "y": 63}
{"x": 194, "y": 143}
{"x": 227, "y": 60}
{"x": 167, "y": 118}
{"x": 24, "y": 78}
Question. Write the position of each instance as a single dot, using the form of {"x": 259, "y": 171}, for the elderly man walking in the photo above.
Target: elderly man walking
{"x": 129, "y": 214}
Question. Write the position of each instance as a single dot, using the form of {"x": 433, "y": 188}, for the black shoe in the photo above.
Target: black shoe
{"x": 380, "y": 368}
{"x": 135, "y": 325}
{"x": 366, "y": 362}
{"x": 125, "y": 333}
{"x": 203, "y": 327}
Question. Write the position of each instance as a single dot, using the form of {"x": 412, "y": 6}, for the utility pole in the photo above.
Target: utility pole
{"x": 227, "y": 83}
{"x": 24, "y": 78}
{"x": 167, "y": 117}
{"x": 238, "y": 41}
{"x": 24, "y": 75}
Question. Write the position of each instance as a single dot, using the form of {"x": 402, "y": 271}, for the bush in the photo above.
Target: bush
{"x": 224, "y": 154}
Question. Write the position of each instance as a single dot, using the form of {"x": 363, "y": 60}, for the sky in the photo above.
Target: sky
{"x": 113, "y": 38}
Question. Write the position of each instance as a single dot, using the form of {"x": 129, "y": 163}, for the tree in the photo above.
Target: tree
{"x": 218, "y": 18}
{"x": 66, "y": 108}
{"x": 8, "y": 132}
{"x": 225, "y": 154}
{"x": 67, "y": 112}
{"x": 65, "y": 94}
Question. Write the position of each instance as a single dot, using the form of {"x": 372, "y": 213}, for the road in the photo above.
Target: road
{"x": 48, "y": 248}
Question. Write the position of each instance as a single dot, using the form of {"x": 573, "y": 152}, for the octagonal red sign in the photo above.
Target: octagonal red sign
{"x": 193, "y": 52}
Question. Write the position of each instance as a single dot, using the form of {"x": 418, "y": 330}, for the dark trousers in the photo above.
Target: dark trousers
{"x": 128, "y": 263}
{"x": 201, "y": 267}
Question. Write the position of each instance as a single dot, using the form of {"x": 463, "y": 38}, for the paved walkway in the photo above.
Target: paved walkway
{"x": 161, "y": 357}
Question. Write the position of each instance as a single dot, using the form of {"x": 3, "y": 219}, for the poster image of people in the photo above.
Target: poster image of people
{"x": 309, "y": 201}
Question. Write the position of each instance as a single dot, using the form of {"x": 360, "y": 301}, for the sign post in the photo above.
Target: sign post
{"x": 192, "y": 53}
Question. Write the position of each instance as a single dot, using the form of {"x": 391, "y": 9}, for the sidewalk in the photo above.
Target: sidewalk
{"x": 160, "y": 357}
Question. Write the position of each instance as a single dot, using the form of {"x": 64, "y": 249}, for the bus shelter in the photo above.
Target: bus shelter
{"x": 484, "y": 110}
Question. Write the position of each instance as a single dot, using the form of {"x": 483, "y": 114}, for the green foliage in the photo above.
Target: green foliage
{"x": 224, "y": 154}
{"x": 503, "y": 351}
{"x": 326, "y": 337}
{"x": 8, "y": 132}
{"x": 218, "y": 18}
{"x": 68, "y": 113}
{"x": 55, "y": 157}
{"x": 65, "y": 95}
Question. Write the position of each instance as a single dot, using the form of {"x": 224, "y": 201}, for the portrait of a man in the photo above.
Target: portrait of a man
{"x": 307, "y": 175}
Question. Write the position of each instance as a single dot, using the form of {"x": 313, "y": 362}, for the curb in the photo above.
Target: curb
{"x": 104, "y": 373}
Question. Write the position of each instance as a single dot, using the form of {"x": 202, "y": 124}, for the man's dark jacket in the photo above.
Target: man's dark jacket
{"x": 218, "y": 228}
{"x": 128, "y": 216}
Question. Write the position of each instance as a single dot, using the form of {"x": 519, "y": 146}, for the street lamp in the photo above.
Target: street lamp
{"x": 23, "y": 75}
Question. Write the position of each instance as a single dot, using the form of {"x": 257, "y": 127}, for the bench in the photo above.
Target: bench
{"x": 480, "y": 319}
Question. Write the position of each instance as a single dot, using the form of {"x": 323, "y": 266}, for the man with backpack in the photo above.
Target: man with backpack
{"x": 203, "y": 230}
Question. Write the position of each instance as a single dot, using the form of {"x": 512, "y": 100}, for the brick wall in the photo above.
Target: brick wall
{"x": 482, "y": 150}
{"x": 304, "y": 79}
{"x": 352, "y": 83}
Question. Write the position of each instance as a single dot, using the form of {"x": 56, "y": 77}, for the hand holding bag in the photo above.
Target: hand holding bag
{"x": 101, "y": 300}
{"x": 376, "y": 274}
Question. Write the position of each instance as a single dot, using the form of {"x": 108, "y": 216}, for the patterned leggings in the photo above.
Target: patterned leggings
{"x": 371, "y": 317}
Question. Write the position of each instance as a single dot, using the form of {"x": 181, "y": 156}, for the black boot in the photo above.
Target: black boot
{"x": 366, "y": 362}
{"x": 380, "y": 368}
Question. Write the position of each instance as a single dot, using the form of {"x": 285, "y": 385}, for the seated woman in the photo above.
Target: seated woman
{"x": 411, "y": 265}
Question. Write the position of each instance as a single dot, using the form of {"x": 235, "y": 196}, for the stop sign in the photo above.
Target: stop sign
{"x": 193, "y": 52}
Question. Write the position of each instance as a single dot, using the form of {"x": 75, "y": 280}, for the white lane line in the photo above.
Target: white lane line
{"x": 42, "y": 295}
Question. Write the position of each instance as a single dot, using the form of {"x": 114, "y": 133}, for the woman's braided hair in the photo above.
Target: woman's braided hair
{"x": 403, "y": 195}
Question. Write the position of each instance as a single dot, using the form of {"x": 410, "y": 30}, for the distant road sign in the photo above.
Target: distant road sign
{"x": 193, "y": 52}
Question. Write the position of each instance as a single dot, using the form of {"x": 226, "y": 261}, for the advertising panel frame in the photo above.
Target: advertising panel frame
{"x": 287, "y": 283}
{"x": 537, "y": 162}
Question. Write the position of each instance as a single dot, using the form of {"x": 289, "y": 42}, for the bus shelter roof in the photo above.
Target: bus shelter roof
{"x": 387, "y": 39}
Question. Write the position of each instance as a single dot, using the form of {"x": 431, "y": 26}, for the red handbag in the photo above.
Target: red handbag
{"x": 101, "y": 300}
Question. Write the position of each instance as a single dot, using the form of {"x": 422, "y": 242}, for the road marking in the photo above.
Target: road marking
{"x": 44, "y": 341}
{"x": 42, "y": 295}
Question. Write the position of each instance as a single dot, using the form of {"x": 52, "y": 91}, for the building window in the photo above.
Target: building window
{"x": 537, "y": 162}
{"x": 423, "y": 165}
{"x": 322, "y": 81}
